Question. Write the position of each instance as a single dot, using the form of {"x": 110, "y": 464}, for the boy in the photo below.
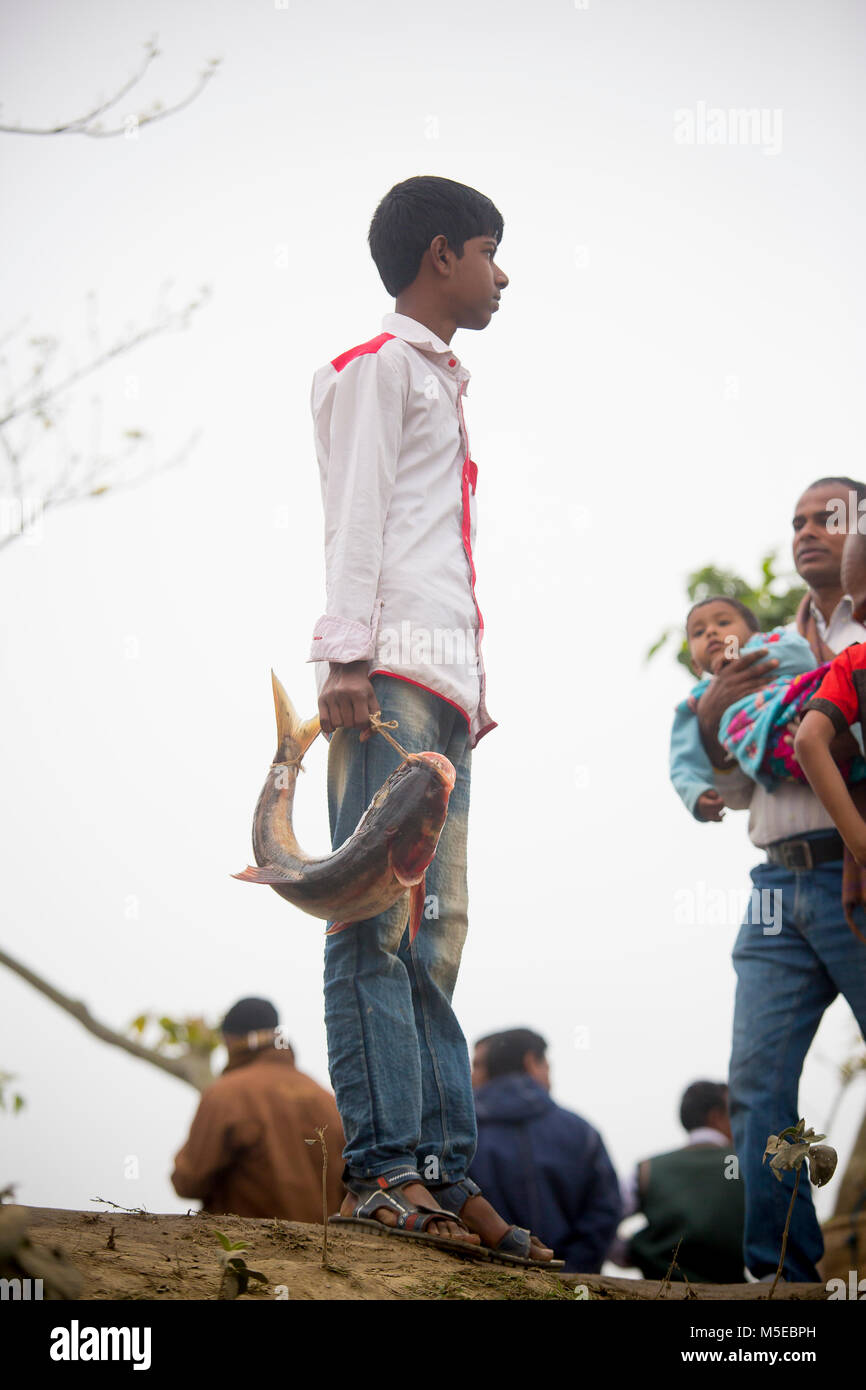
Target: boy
{"x": 401, "y": 635}
{"x": 838, "y": 704}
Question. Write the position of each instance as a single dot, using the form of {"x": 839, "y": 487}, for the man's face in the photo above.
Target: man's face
{"x": 477, "y": 283}
{"x": 817, "y": 551}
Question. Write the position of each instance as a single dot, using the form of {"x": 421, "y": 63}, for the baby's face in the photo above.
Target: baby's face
{"x": 715, "y": 633}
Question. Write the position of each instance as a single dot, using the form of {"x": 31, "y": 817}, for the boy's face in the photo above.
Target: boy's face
{"x": 714, "y": 632}
{"x": 476, "y": 282}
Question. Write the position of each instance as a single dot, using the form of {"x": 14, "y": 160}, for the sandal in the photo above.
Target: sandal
{"x": 412, "y": 1220}
{"x": 513, "y": 1248}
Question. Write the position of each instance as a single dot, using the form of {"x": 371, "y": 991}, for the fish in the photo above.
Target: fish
{"x": 386, "y": 856}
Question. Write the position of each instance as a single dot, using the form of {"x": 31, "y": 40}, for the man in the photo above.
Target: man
{"x": 788, "y": 974}
{"x": 541, "y": 1166}
{"x": 247, "y": 1151}
{"x": 690, "y": 1198}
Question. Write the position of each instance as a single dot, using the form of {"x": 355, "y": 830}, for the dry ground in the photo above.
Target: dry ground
{"x": 109, "y": 1255}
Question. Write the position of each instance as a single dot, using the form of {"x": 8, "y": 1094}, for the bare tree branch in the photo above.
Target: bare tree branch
{"x": 35, "y": 403}
{"x": 193, "y": 1069}
{"x": 89, "y": 123}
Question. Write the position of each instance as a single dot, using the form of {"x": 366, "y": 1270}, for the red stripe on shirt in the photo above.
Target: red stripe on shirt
{"x": 338, "y": 363}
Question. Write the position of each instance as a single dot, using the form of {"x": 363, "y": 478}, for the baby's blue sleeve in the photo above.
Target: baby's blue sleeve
{"x": 690, "y": 769}
{"x": 792, "y": 651}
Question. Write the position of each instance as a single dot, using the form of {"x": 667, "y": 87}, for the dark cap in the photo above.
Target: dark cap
{"x": 248, "y": 1016}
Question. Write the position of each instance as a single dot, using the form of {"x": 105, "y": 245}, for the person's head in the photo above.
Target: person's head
{"x": 817, "y": 549}
{"x": 437, "y": 240}
{"x": 249, "y": 1020}
{"x": 717, "y": 627}
{"x": 518, "y": 1050}
{"x": 705, "y": 1106}
{"x": 480, "y": 1074}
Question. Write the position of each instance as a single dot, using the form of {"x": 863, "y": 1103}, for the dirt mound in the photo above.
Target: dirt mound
{"x": 123, "y": 1255}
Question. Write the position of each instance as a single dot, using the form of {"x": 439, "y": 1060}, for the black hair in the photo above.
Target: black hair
{"x": 506, "y": 1051}
{"x": 417, "y": 210}
{"x": 699, "y": 1100}
{"x": 859, "y": 488}
{"x": 754, "y": 625}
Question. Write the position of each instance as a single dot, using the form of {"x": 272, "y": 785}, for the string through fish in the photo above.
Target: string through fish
{"x": 381, "y": 726}
{"x": 377, "y": 724}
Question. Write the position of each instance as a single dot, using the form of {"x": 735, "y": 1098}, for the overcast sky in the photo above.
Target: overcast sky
{"x": 679, "y": 352}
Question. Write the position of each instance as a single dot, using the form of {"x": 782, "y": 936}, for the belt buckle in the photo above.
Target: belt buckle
{"x": 797, "y": 854}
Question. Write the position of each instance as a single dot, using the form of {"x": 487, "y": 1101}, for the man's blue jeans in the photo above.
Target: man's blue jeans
{"x": 785, "y": 981}
{"x": 398, "y": 1059}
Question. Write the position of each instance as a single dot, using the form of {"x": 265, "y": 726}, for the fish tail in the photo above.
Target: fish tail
{"x": 292, "y": 732}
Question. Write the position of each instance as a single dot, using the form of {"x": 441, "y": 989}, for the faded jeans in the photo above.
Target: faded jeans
{"x": 785, "y": 981}
{"x": 397, "y": 1057}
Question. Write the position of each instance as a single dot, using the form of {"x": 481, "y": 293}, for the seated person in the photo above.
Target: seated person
{"x": 247, "y": 1152}
{"x": 691, "y": 1195}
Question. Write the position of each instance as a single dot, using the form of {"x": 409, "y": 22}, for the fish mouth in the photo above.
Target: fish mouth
{"x": 442, "y": 765}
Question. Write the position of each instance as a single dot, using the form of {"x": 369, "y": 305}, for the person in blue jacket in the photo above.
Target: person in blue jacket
{"x": 541, "y": 1166}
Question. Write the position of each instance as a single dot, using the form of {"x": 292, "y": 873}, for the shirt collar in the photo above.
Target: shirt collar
{"x": 842, "y": 612}
{"x": 420, "y": 336}
{"x": 706, "y": 1135}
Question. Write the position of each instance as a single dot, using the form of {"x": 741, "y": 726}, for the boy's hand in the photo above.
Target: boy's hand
{"x": 347, "y": 699}
{"x": 710, "y": 806}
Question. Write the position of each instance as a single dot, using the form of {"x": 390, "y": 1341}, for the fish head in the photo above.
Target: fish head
{"x": 414, "y": 844}
{"x": 441, "y": 763}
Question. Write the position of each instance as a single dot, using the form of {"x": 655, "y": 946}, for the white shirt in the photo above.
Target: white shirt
{"x": 792, "y": 809}
{"x": 398, "y": 489}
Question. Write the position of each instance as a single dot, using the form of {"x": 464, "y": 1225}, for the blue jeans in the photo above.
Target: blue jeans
{"x": 397, "y": 1057}
{"x": 785, "y": 981}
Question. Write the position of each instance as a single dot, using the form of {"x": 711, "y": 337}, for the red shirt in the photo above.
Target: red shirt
{"x": 842, "y": 693}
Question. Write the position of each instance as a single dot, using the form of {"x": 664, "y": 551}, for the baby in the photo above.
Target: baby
{"x": 754, "y": 731}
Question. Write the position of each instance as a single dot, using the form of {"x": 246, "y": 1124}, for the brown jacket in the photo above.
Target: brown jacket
{"x": 246, "y": 1152}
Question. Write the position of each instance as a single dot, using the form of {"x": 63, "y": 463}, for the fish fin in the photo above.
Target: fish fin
{"x": 289, "y": 725}
{"x": 401, "y": 876}
{"x": 268, "y": 873}
{"x": 338, "y": 927}
{"x": 416, "y": 908}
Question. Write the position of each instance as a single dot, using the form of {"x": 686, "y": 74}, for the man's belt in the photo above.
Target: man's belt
{"x": 806, "y": 854}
